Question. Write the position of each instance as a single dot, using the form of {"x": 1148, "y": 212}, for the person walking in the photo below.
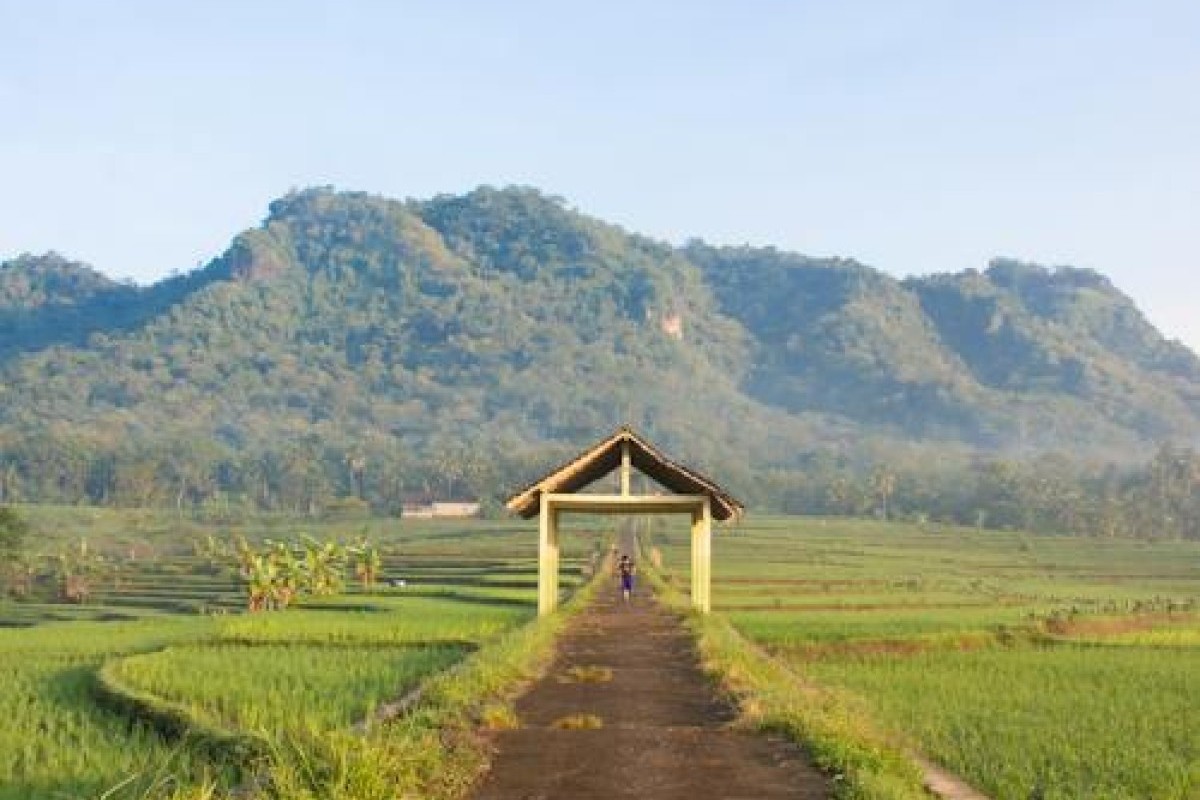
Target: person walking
{"x": 626, "y": 568}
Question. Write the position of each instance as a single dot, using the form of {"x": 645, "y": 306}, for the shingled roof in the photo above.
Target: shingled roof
{"x": 604, "y": 457}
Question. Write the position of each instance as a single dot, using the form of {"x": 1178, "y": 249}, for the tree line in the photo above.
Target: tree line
{"x": 1048, "y": 494}
{"x": 307, "y": 475}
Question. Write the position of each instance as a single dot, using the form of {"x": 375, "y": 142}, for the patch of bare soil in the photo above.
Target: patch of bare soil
{"x": 1114, "y": 626}
{"x": 946, "y": 785}
{"x": 851, "y": 608}
{"x": 900, "y": 648}
{"x": 657, "y": 727}
{"x": 823, "y": 584}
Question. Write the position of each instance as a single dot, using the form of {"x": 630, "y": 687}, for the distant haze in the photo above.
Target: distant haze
{"x": 918, "y": 137}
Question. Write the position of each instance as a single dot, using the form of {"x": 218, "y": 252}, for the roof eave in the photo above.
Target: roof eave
{"x": 527, "y": 503}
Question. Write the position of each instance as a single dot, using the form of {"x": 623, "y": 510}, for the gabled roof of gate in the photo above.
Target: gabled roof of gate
{"x": 604, "y": 457}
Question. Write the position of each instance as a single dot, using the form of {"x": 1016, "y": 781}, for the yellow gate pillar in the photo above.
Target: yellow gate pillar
{"x": 547, "y": 558}
{"x": 702, "y": 557}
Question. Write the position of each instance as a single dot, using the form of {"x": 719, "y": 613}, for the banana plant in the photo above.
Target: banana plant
{"x": 324, "y": 566}
{"x": 281, "y": 572}
{"x": 245, "y": 557}
{"x": 289, "y": 574}
{"x": 213, "y": 551}
{"x": 368, "y": 563}
{"x": 74, "y": 569}
{"x": 261, "y": 574}
{"x": 21, "y": 574}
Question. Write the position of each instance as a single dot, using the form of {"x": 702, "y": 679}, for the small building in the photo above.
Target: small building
{"x": 455, "y": 509}
{"x": 439, "y": 509}
{"x": 416, "y": 511}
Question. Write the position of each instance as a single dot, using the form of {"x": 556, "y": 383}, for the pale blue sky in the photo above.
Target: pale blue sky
{"x": 915, "y": 136}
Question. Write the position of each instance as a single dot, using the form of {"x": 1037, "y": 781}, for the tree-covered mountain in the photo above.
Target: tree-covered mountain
{"x": 48, "y": 300}
{"x": 1015, "y": 357}
{"x": 456, "y": 344}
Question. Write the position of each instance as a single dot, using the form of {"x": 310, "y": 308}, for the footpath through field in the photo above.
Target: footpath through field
{"x": 664, "y": 732}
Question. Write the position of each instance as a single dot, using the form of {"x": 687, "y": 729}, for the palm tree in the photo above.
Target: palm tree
{"x": 883, "y": 483}
{"x": 356, "y": 463}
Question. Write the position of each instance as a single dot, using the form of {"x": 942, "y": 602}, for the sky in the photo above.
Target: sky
{"x": 917, "y": 137}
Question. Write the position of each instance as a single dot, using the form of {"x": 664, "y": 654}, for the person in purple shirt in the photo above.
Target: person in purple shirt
{"x": 626, "y": 568}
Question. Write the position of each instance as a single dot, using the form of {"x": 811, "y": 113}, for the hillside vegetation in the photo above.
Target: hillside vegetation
{"x": 356, "y": 346}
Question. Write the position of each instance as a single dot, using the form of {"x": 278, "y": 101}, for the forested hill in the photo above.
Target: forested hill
{"x": 460, "y": 342}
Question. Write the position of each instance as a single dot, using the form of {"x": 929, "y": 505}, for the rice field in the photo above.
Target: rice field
{"x": 168, "y": 626}
{"x": 54, "y": 740}
{"x": 1034, "y": 667}
{"x": 398, "y": 621}
{"x": 1070, "y": 721}
{"x": 271, "y": 689}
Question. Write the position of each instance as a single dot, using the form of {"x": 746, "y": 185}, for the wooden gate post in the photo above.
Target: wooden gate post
{"x": 547, "y": 558}
{"x": 702, "y": 557}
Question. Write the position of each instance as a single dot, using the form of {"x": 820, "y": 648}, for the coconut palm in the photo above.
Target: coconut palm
{"x": 883, "y": 484}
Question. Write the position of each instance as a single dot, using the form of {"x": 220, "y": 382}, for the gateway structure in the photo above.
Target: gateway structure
{"x": 689, "y": 493}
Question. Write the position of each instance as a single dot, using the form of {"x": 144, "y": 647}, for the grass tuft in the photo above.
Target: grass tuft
{"x": 578, "y": 722}
{"x": 586, "y": 674}
{"x": 498, "y": 717}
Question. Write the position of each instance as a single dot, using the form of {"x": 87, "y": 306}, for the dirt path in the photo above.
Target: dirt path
{"x": 664, "y": 733}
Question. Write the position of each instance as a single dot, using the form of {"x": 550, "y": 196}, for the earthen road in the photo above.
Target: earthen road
{"x": 664, "y": 730}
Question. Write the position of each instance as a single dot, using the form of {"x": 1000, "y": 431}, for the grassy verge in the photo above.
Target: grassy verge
{"x": 831, "y": 725}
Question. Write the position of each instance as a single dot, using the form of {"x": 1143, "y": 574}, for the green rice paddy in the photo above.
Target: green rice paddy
{"x": 1045, "y": 667}
{"x": 168, "y": 627}
{"x": 273, "y": 688}
{"x": 1034, "y": 667}
{"x": 1062, "y": 722}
